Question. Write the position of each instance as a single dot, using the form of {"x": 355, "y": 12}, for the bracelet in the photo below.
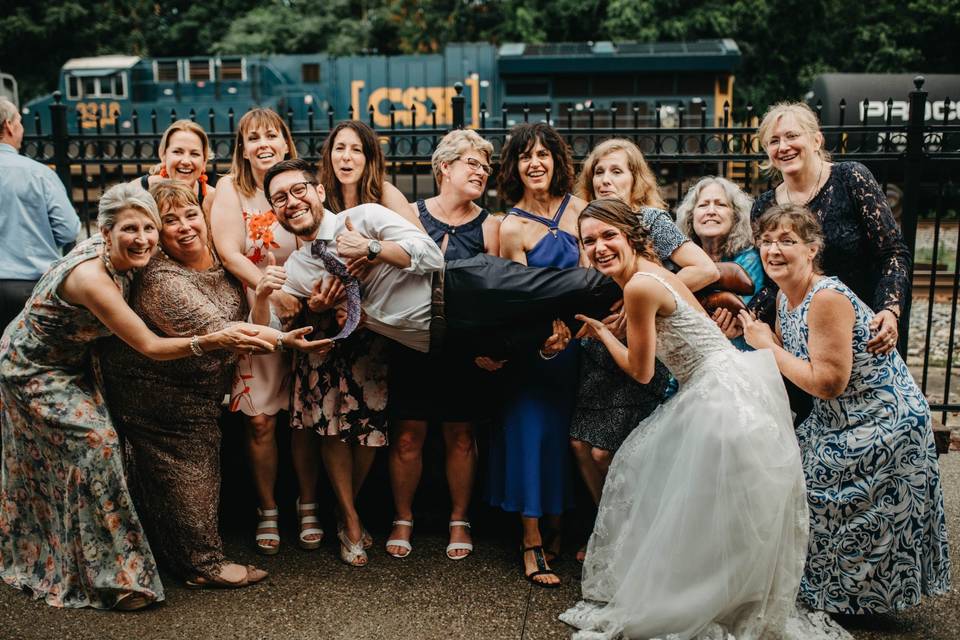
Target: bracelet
{"x": 540, "y": 352}
{"x": 280, "y": 346}
{"x": 195, "y": 346}
{"x": 895, "y": 312}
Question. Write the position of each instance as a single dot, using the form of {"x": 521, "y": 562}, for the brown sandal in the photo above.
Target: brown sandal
{"x": 253, "y": 576}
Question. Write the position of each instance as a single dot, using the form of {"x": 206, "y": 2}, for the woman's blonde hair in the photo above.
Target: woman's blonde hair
{"x": 645, "y": 191}
{"x": 806, "y": 119}
{"x": 240, "y": 167}
{"x": 455, "y": 144}
{"x": 188, "y": 126}
{"x": 123, "y": 196}
{"x": 741, "y": 235}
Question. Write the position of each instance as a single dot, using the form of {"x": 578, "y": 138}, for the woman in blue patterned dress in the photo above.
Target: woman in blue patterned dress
{"x": 70, "y": 534}
{"x": 878, "y": 539}
{"x": 715, "y": 214}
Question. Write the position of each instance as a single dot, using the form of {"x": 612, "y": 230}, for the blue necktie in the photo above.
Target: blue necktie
{"x": 350, "y": 284}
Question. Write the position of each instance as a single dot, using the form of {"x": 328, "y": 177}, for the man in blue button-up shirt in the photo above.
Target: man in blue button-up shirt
{"x": 36, "y": 217}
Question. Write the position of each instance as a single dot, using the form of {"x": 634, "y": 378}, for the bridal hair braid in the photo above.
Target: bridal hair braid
{"x": 618, "y": 214}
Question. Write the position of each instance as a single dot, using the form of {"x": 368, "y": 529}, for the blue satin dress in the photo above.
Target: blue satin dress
{"x": 529, "y": 455}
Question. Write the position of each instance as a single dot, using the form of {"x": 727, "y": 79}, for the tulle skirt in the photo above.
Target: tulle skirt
{"x": 702, "y": 527}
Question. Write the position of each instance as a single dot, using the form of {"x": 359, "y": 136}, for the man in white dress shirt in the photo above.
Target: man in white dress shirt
{"x": 408, "y": 291}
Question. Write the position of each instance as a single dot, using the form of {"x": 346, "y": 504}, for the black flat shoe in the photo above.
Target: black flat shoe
{"x": 542, "y": 569}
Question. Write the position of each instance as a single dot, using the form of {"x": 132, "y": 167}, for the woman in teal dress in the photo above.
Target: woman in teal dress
{"x": 68, "y": 530}
{"x": 715, "y": 214}
{"x": 878, "y": 536}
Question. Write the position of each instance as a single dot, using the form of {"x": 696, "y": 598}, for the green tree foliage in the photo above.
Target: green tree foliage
{"x": 785, "y": 43}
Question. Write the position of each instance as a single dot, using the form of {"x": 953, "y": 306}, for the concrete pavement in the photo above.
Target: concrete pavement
{"x": 313, "y": 595}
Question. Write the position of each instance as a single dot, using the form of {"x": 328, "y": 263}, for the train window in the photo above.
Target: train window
{"x": 166, "y": 70}
{"x": 618, "y": 85}
{"x": 90, "y": 87}
{"x": 696, "y": 84}
{"x": 117, "y": 85}
{"x": 655, "y": 85}
{"x": 571, "y": 86}
{"x": 231, "y": 69}
{"x": 73, "y": 88}
{"x": 310, "y": 73}
{"x": 199, "y": 70}
{"x": 528, "y": 88}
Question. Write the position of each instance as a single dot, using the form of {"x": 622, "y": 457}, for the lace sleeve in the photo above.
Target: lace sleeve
{"x": 884, "y": 237}
{"x": 764, "y": 302}
{"x": 174, "y": 305}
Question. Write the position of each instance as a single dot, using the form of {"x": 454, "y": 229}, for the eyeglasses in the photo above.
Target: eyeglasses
{"x": 299, "y": 189}
{"x": 476, "y": 165}
{"x": 786, "y": 243}
{"x": 790, "y": 137}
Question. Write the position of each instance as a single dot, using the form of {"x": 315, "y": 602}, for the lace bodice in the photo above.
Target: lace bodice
{"x": 686, "y": 338}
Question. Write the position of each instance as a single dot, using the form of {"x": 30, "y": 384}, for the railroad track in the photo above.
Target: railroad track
{"x": 942, "y": 287}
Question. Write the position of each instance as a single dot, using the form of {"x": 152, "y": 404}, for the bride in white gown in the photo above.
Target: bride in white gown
{"x": 702, "y": 528}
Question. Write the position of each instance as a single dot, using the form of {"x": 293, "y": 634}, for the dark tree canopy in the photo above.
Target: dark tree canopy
{"x": 785, "y": 43}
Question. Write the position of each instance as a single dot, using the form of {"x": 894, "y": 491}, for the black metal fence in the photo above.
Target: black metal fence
{"x": 916, "y": 160}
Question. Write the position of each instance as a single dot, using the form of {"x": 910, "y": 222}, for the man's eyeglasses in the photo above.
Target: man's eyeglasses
{"x": 786, "y": 243}
{"x": 476, "y": 165}
{"x": 299, "y": 189}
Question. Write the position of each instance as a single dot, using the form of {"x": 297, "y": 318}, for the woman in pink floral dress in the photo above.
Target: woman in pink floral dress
{"x": 245, "y": 232}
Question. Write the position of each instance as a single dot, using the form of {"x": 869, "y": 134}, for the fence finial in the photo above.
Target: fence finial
{"x": 918, "y": 82}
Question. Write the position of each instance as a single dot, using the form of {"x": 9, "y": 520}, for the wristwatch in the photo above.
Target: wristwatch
{"x": 373, "y": 249}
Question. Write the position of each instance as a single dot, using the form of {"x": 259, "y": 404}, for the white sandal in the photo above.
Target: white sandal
{"x": 399, "y": 542}
{"x": 305, "y": 528}
{"x": 457, "y": 546}
{"x": 267, "y": 520}
{"x": 351, "y": 552}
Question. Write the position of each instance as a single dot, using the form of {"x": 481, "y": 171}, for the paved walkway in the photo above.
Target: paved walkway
{"x": 313, "y": 595}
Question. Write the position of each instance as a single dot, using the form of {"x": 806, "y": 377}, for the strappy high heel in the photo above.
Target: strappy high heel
{"x": 351, "y": 552}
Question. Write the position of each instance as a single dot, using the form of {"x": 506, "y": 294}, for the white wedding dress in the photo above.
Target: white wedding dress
{"x": 702, "y": 528}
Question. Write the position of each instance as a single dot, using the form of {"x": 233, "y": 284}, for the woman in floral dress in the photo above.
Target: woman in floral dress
{"x": 245, "y": 232}
{"x": 878, "y": 536}
{"x": 70, "y": 534}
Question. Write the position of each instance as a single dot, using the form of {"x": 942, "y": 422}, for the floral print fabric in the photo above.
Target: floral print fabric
{"x": 343, "y": 394}
{"x": 69, "y": 533}
{"x": 878, "y": 537}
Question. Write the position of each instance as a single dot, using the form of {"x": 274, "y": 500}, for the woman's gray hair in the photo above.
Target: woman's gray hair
{"x": 741, "y": 234}
{"x": 8, "y": 111}
{"x": 126, "y": 195}
{"x": 455, "y": 144}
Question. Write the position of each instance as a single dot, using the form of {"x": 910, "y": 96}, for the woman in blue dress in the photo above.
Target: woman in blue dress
{"x": 715, "y": 214}
{"x": 529, "y": 467}
{"x": 878, "y": 538}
